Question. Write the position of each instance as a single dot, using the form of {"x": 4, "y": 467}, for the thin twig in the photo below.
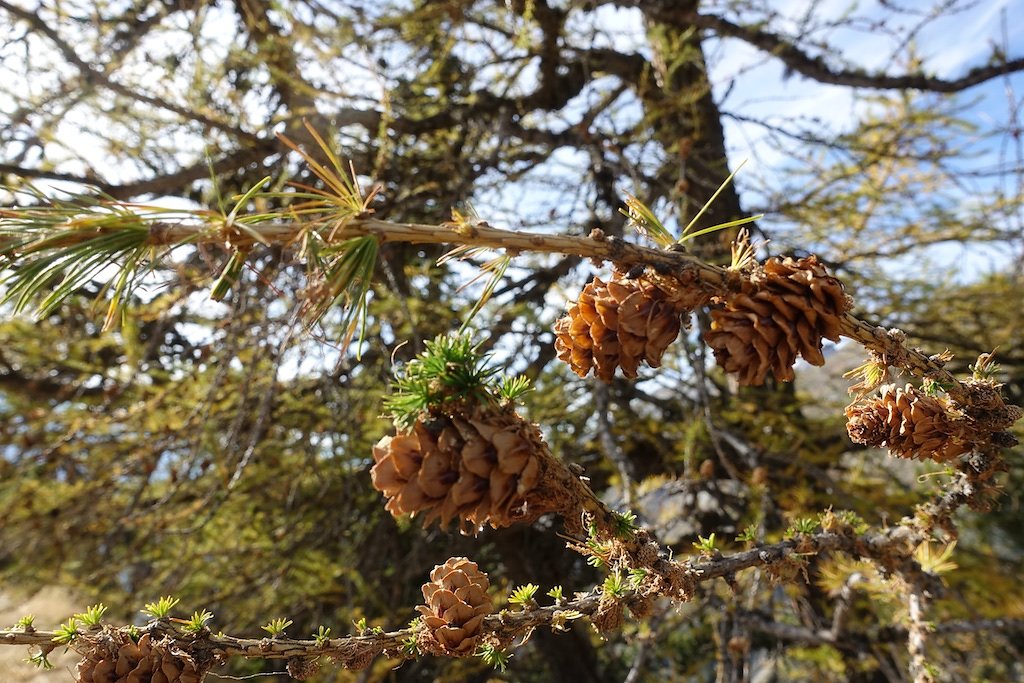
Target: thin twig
{"x": 917, "y": 636}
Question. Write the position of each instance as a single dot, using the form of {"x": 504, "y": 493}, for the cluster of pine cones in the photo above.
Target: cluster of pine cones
{"x": 775, "y": 314}
{"x": 783, "y": 310}
{"x": 118, "y": 659}
{"x": 456, "y": 604}
{"x": 913, "y": 424}
{"x": 482, "y": 468}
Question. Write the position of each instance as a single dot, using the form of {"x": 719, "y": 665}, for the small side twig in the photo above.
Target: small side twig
{"x": 917, "y": 636}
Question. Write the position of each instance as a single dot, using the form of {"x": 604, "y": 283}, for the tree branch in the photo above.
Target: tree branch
{"x": 818, "y": 69}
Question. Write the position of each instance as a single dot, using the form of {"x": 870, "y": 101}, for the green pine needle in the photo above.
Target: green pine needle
{"x": 450, "y": 373}
{"x": 67, "y": 633}
{"x": 686, "y": 231}
{"x": 511, "y": 389}
{"x": 54, "y": 247}
{"x": 465, "y": 222}
{"x": 494, "y": 657}
{"x": 347, "y": 275}
{"x": 523, "y": 595}
{"x": 197, "y": 622}
{"x": 276, "y": 627}
{"x": 645, "y": 222}
{"x": 229, "y": 275}
{"x": 160, "y": 609}
{"x": 322, "y": 635}
{"x": 615, "y": 585}
{"x": 92, "y": 616}
{"x": 625, "y": 523}
{"x": 40, "y": 660}
{"x": 720, "y": 226}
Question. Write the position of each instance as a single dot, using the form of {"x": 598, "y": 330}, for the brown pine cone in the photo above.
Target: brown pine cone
{"x": 608, "y": 617}
{"x": 456, "y": 604}
{"x": 483, "y": 469}
{"x": 120, "y": 660}
{"x": 775, "y": 318}
{"x": 623, "y": 322}
{"x": 909, "y": 423}
{"x": 302, "y": 668}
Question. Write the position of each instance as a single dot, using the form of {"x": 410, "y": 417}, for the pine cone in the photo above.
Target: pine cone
{"x": 121, "y": 660}
{"x": 910, "y": 424}
{"x": 618, "y": 324}
{"x": 480, "y": 469}
{"x": 456, "y": 604}
{"x": 608, "y": 617}
{"x": 303, "y": 668}
{"x": 771, "y": 320}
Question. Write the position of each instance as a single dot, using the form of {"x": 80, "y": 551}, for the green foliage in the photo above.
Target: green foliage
{"x": 645, "y": 222}
{"x": 597, "y": 551}
{"x": 61, "y": 245}
{"x": 802, "y": 526}
{"x": 67, "y": 633}
{"x": 92, "y": 616}
{"x": 228, "y": 275}
{"x": 197, "y": 622}
{"x": 494, "y": 657}
{"x": 689, "y": 233}
{"x": 236, "y": 221}
{"x": 748, "y": 535}
{"x": 161, "y": 609}
{"x": 933, "y": 387}
{"x": 625, "y": 523}
{"x": 512, "y": 389}
{"x": 410, "y": 647}
{"x": 615, "y": 585}
{"x": 41, "y": 660}
{"x": 347, "y": 272}
{"x": 275, "y": 627}
{"x": 452, "y": 372}
{"x": 706, "y": 546}
{"x": 523, "y": 596}
{"x": 636, "y": 577}
{"x": 495, "y": 268}
{"x": 986, "y": 368}
{"x": 322, "y": 635}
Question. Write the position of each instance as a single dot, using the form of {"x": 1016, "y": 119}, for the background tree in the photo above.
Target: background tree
{"x": 219, "y": 451}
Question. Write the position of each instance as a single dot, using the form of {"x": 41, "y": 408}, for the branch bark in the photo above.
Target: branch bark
{"x": 816, "y": 68}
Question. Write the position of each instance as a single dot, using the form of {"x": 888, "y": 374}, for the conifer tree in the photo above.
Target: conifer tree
{"x": 592, "y": 429}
